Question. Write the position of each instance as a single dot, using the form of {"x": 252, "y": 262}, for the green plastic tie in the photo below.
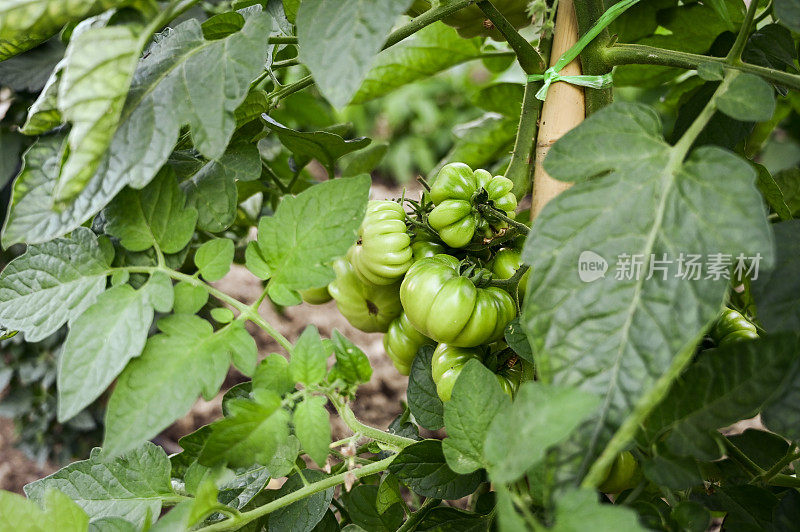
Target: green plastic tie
{"x": 551, "y": 75}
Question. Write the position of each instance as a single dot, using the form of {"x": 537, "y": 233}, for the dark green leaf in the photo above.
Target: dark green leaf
{"x": 777, "y": 290}
{"x": 788, "y": 11}
{"x": 303, "y": 515}
{"x": 361, "y": 506}
{"x": 787, "y": 514}
{"x": 765, "y": 449}
{"x": 789, "y": 183}
{"x": 423, "y": 401}
{"x": 31, "y": 70}
{"x": 772, "y": 193}
{"x": 422, "y": 467}
{"x": 518, "y": 341}
{"x": 454, "y": 520}
{"x": 673, "y": 473}
{"x": 748, "y": 507}
{"x": 388, "y": 493}
{"x": 352, "y": 364}
{"x": 691, "y": 516}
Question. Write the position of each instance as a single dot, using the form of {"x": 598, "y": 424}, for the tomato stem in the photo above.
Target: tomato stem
{"x": 529, "y": 59}
{"x": 735, "y": 54}
{"x": 500, "y": 215}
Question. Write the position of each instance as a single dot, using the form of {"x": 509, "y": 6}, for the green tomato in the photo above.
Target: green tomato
{"x": 506, "y": 263}
{"x": 367, "y": 307}
{"x": 623, "y": 475}
{"x": 444, "y": 306}
{"x": 316, "y": 296}
{"x": 402, "y": 341}
{"x": 448, "y": 361}
{"x": 382, "y": 254}
{"x": 471, "y": 22}
{"x": 455, "y": 216}
{"x": 421, "y": 249}
{"x": 732, "y": 327}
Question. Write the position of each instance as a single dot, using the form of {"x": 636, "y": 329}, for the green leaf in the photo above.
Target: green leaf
{"x": 26, "y": 23}
{"x": 130, "y": 486}
{"x": 303, "y": 515}
{"x": 204, "y": 502}
{"x": 184, "y": 79}
{"x": 673, "y": 473}
{"x": 577, "y": 507}
{"x": 515, "y": 442}
{"x": 787, "y": 513}
{"x": 112, "y": 524}
{"x": 99, "y": 345}
{"x": 691, "y": 516}
{"x": 241, "y": 345}
{"x": 388, "y": 493}
{"x": 250, "y": 434}
{"x": 616, "y": 337}
{"x": 221, "y": 25}
{"x": 324, "y": 219}
{"x": 308, "y": 362}
{"x": 423, "y": 401}
{"x": 222, "y": 315}
{"x": 518, "y": 341}
{"x": 502, "y": 97}
{"x": 481, "y": 141}
{"x": 189, "y": 299}
{"x": 789, "y": 183}
{"x": 422, "y": 467}
{"x": 777, "y": 290}
{"x": 748, "y": 98}
{"x": 146, "y": 399}
{"x": 212, "y": 188}
{"x": 214, "y": 258}
{"x": 364, "y": 161}
{"x": 772, "y": 192}
{"x": 476, "y": 401}
{"x": 324, "y": 146}
{"x": 361, "y": 504}
{"x": 155, "y": 215}
{"x": 788, "y": 11}
{"x": 726, "y": 385}
{"x": 273, "y": 375}
{"x": 58, "y": 513}
{"x": 10, "y": 146}
{"x": 313, "y": 428}
{"x": 51, "y": 283}
{"x": 242, "y": 488}
{"x": 445, "y": 519}
{"x": 97, "y": 72}
{"x": 764, "y": 448}
{"x": 711, "y": 71}
{"x": 747, "y": 507}
{"x": 30, "y": 71}
{"x": 352, "y": 365}
{"x": 431, "y": 50}
{"x": 354, "y": 31}
{"x": 44, "y": 115}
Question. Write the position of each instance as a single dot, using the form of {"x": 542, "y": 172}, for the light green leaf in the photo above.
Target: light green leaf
{"x": 540, "y": 417}
{"x": 576, "y": 508}
{"x": 184, "y": 79}
{"x": 99, "y": 345}
{"x": 256, "y": 103}
{"x": 131, "y": 486}
{"x": 51, "y": 283}
{"x": 312, "y": 426}
{"x": 112, "y": 524}
{"x": 96, "y": 75}
{"x": 26, "y": 23}
{"x": 354, "y": 31}
{"x": 273, "y": 375}
{"x": 290, "y": 8}
{"x": 59, "y": 513}
{"x": 189, "y": 299}
{"x": 364, "y": 161}
{"x": 481, "y": 141}
{"x": 250, "y": 434}
{"x": 214, "y": 258}
{"x": 711, "y": 71}
{"x": 146, "y": 399}
{"x": 204, "y": 502}
{"x": 212, "y": 188}
{"x": 615, "y": 337}
{"x": 748, "y": 98}
{"x": 433, "y": 49}
{"x": 155, "y": 215}
{"x": 476, "y": 401}
{"x": 324, "y": 219}
{"x": 222, "y": 315}
{"x": 308, "y": 362}
{"x": 241, "y": 346}
{"x": 504, "y": 98}
{"x": 352, "y": 365}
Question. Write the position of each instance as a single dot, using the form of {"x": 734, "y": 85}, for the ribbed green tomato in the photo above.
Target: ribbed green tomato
{"x": 444, "y": 306}
{"x": 316, "y": 296}
{"x": 402, "y": 341}
{"x": 623, "y": 475}
{"x": 471, "y": 22}
{"x": 421, "y": 249}
{"x": 455, "y": 216}
{"x": 506, "y": 263}
{"x": 732, "y": 327}
{"x": 448, "y": 361}
{"x": 383, "y": 251}
{"x": 367, "y": 307}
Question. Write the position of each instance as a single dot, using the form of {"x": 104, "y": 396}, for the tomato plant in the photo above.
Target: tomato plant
{"x": 574, "y": 364}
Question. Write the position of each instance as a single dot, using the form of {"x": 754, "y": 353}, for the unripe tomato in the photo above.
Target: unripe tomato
{"x": 732, "y": 327}
{"x": 367, "y": 307}
{"x": 447, "y": 307}
{"x": 316, "y": 296}
{"x": 383, "y": 251}
{"x": 623, "y": 475}
{"x": 506, "y": 263}
{"x": 402, "y": 341}
{"x": 471, "y": 22}
{"x": 448, "y": 362}
{"x": 421, "y": 249}
{"x": 456, "y": 217}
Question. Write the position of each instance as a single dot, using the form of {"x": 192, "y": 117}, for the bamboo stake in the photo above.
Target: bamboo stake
{"x": 563, "y": 109}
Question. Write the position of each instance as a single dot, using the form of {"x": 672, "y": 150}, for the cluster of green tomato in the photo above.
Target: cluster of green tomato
{"x": 471, "y": 22}
{"x": 422, "y": 278}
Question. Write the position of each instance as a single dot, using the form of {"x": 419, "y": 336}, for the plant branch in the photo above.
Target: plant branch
{"x": 425, "y": 19}
{"x": 282, "y": 40}
{"x": 638, "y": 54}
{"x": 415, "y": 518}
{"x": 492, "y": 212}
{"x": 529, "y": 59}
{"x": 512, "y": 282}
{"x": 358, "y": 427}
{"x": 735, "y": 55}
{"x": 736, "y": 453}
{"x": 520, "y": 168}
{"x": 773, "y": 471}
{"x": 302, "y": 493}
{"x": 683, "y": 145}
